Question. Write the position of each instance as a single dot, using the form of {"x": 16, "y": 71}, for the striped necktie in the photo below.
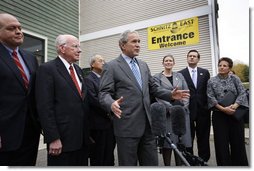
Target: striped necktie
{"x": 136, "y": 72}
{"x": 21, "y": 69}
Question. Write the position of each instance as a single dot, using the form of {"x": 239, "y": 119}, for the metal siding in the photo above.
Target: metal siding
{"x": 108, "y": 47}
{"x": 48, "y": 18}
{"x": 98, "y": 15}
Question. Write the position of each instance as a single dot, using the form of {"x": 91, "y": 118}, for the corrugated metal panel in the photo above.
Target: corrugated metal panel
{"x": 108, "y": 47}
{"x": 48, "y": 18}
{"x": 103, "y": 14}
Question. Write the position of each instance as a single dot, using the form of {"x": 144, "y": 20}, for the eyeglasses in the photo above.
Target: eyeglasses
{"x": 73, "y": 46}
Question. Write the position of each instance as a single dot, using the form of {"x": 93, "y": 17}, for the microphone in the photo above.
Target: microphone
{"x": 158, "y": 116}
{"x": 178, "y": 120}
{"x": 158, "y": 112}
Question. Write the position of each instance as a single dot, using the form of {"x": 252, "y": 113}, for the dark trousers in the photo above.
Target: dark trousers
{"x": 229, "y": 140}
{"x": 26, "y": 154}
{"x": 73, "y": 158}
{"x": 133, "y": 149}
{"x": 102, "y": 151}
{"x": 167, "y": 153}
{"x": 200, "y": 127}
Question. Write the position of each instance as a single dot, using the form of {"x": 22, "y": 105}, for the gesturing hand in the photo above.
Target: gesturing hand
{"x": 180, "y": 94}
{"x": 115, "y": 107}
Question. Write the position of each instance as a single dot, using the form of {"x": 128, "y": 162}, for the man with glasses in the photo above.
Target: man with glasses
{"x": 101, "y": 127}
{"x": 63, "y": 106}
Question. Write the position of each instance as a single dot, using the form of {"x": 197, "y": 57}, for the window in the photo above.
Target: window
{"x": 36, "y": 46}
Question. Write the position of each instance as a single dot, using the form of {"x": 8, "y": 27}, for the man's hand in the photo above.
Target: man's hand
{"x": 115, "y": 107}
{"x": 55, "y": 147}
{"x": 180, "y": 94}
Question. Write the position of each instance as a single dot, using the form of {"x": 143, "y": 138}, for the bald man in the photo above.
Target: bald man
{"x": 19, "y": 128}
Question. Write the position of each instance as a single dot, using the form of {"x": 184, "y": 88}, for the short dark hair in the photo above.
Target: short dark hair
{"x": 228, "y": 60}
{"x": 193, "y": 50}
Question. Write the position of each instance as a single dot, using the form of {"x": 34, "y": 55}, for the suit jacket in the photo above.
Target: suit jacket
{"x": 62, "y": 112}
{"x": 198, "y": 96}
{"x": 17, "y": 105}
{"x": 118, "y": 80}
{"x": 179, "y": 81}
{"x": 98, "y": 117}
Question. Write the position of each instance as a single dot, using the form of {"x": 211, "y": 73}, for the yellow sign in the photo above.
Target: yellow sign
{"x": 178, "y": 33}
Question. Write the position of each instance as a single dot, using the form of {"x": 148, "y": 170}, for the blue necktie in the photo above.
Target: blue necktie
{"x": 194, "y": 78}
{"x": 136, "y": 72}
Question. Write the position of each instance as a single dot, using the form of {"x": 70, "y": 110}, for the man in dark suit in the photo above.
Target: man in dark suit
{"x": 200, "y": 116}
{"x": 125, "y": 89}
{"x": 62, "y": 105}
{"x": 19, "y": 128}
{"x": 101, "y": 127}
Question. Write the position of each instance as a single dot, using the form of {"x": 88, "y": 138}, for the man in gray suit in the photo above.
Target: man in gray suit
{"x": 125, "y": 89}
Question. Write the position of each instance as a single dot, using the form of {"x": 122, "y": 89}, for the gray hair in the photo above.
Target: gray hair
{"x": 124, "y": 36}
{"x": 62, "y": 39}
{"x": 93, "y": 59}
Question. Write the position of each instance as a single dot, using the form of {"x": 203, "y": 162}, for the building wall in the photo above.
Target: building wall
{"x": 98, "y": 15}
{"x": 102, "y": 21}
{"x": 47, "y": 18}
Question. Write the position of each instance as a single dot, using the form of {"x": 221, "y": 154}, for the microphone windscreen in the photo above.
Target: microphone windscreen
{"x": 158, "y": 116}
{"x": 178, "y": 120}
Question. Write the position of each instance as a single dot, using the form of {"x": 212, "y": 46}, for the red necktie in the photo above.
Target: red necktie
{"x": 74, "y": 79}
{"x": 21, "y": 69}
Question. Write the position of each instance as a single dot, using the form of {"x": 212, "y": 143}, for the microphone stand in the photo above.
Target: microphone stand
{"x": 173, "y": 146}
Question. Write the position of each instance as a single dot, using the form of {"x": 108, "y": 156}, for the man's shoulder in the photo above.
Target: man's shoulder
{"x": 183, "y": 70}
{"x": 90, "y": 76}
{"x": 49, "y": 64}
{"x": 202, "y": 69}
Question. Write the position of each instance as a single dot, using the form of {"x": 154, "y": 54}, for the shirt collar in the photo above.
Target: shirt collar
{"x": 128, "y": 59}
{"x": 11, "y": 50}
{"x": 98, "y": 75}
{"x": 190, "y": 69}
{"x": 66, "y": 64}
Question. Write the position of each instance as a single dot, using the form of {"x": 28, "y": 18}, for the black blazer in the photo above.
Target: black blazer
{"x": 16, "y": 103}
{"x": 63, "y": 113}
{"x": 98, "y": 117}
{"x": 198, "y": 96}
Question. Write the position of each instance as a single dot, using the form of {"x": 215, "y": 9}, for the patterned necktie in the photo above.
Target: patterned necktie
{"x": 74, "y": 79}
{"x": 21, "y": 69}
{"x": 136, "y": 72}
{"x": 194, "y": 77}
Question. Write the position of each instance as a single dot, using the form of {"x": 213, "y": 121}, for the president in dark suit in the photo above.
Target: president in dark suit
{"x": 62, "y": 105}
{"x": 101, "y": 126}
{"x": 200, "y": 116}
{"x": 19, "y": 128}
{"x": 125, "y": 89}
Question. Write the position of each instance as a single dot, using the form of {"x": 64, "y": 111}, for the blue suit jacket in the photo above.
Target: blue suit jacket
{"x": 16, "y": 103}
{"x": 98, "y": 117}
{"x": 198, "y": 96}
